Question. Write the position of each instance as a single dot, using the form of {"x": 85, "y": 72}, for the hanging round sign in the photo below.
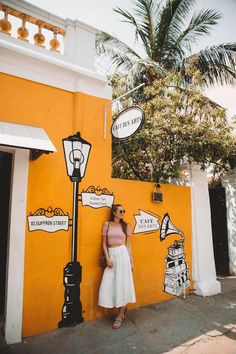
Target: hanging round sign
{"x": 127, "y": 123}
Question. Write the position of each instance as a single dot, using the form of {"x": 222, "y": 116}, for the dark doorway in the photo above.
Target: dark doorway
{"x": 219, "y": 230}
{"x": 5, "y": 188}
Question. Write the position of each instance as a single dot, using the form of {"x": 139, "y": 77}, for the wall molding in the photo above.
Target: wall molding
{"x": 50, "y": 69}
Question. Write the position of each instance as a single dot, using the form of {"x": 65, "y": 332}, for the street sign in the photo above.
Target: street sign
{"x": 97, "y": 201}
{"x": 97, "y": 197}
{"x": 48, "y": 220}
{"x": 53, "y": 224}
{"x": 146, "y": 222}
{"x": 127, "y": 123}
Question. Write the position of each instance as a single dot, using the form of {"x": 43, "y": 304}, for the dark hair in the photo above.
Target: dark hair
{"x": 114, "y": 208}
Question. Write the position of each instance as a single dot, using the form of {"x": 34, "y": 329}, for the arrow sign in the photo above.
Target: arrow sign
{"x": 145, "y": 222}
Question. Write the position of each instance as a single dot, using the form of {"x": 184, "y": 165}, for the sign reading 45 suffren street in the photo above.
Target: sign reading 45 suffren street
{"x": 127, "y": 123}
{"x": 48, "y": 220}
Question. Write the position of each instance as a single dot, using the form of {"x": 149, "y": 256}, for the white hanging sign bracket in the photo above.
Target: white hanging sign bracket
{"x": 111, "y": 103}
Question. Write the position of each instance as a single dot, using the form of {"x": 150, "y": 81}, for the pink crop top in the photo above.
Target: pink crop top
{"x": 115, "y": 234}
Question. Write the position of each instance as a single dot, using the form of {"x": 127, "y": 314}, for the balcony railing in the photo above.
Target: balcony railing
{"x": 31, "y": 29}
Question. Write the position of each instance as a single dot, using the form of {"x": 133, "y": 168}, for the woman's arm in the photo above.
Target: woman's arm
{"x": 128, "y": 245}
{"x": 104, "y": 245}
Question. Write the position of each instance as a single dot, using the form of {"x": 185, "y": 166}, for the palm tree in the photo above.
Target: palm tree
{"x": 167, "y": 32}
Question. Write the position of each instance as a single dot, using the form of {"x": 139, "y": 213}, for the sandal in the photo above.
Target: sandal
{"x": 118, "y": 320}
{"x": 117, "y": 323}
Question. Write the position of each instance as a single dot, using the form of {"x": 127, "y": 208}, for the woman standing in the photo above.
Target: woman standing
{"x": 117, "y": 286}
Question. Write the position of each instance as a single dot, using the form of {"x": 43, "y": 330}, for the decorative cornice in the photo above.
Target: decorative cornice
{"x": 29, "y": 50}
{"x": 48, "y": 68}
{"x": 85, "y": 26}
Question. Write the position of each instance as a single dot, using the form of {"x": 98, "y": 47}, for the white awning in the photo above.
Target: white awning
{"x": 26, "y": 137}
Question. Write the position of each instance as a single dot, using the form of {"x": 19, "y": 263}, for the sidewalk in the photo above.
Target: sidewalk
{"x": 192, "y": 326}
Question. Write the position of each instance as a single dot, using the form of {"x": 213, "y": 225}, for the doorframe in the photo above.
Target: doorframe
{"x": 16, "y": 244}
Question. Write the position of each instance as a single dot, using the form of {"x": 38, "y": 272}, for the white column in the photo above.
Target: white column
{"x": 204, "y": 273}
{"x": 16, "y": 247}
{"x": 229, "y": 182}
{"x": 79, "y": 43}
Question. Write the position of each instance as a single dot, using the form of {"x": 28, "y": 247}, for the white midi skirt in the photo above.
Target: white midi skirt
{"x": 117, "y": 286}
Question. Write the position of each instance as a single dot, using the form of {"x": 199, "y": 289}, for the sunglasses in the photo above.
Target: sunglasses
{"x": 122, "y": 211}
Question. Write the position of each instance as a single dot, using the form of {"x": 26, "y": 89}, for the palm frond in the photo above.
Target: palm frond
{"x": 178, "y": 19}
{"x": 167, "y": 41}
{"x": 216, "y": 63}
{"x": 147, "y": 9}
{"x": 200, "y": 24}
{"x": 114, "y": 50}
{"x": 148, "y": 14}
{"x": 145, "y": 19}
{"x": 129, "y": 18}
{"x": 170, "y": 16}
{"x": 104, "y": 40}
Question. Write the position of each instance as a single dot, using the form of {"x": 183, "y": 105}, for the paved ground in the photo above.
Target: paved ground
{"x": 196, "y": 325}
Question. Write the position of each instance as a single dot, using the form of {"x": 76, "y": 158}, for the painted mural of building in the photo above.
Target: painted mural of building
{"x": 51, "y": 90}
{"x": 177, "y": 273}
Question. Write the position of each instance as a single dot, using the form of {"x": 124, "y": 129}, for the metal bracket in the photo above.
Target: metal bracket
{"x": 70, "y": 222}
{"x": 111, "y": 103}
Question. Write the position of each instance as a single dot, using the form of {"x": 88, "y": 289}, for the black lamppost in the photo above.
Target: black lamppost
{"x": 76, "y": 152}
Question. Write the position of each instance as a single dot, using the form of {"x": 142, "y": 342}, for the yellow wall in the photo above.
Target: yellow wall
{"x": 61, "y": 114}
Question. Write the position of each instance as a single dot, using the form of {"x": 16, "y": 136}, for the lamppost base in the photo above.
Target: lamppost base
{"x": 69, "y": 323}
{"x": 72, "y": 307}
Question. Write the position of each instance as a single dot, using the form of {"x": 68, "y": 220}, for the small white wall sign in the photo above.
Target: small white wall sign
{"x": 127, "y": 123}
{"x": 97, "y": 201}
{"x": 145, "y": 222}
{"x": 97, "y": 197}
{"x": 48, "y": 220}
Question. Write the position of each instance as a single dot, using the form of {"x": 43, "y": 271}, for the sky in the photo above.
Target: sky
{"x": 100, "y": 14}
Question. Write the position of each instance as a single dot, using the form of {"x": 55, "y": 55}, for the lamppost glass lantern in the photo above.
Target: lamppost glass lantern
{"x": 76, "y": 152}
